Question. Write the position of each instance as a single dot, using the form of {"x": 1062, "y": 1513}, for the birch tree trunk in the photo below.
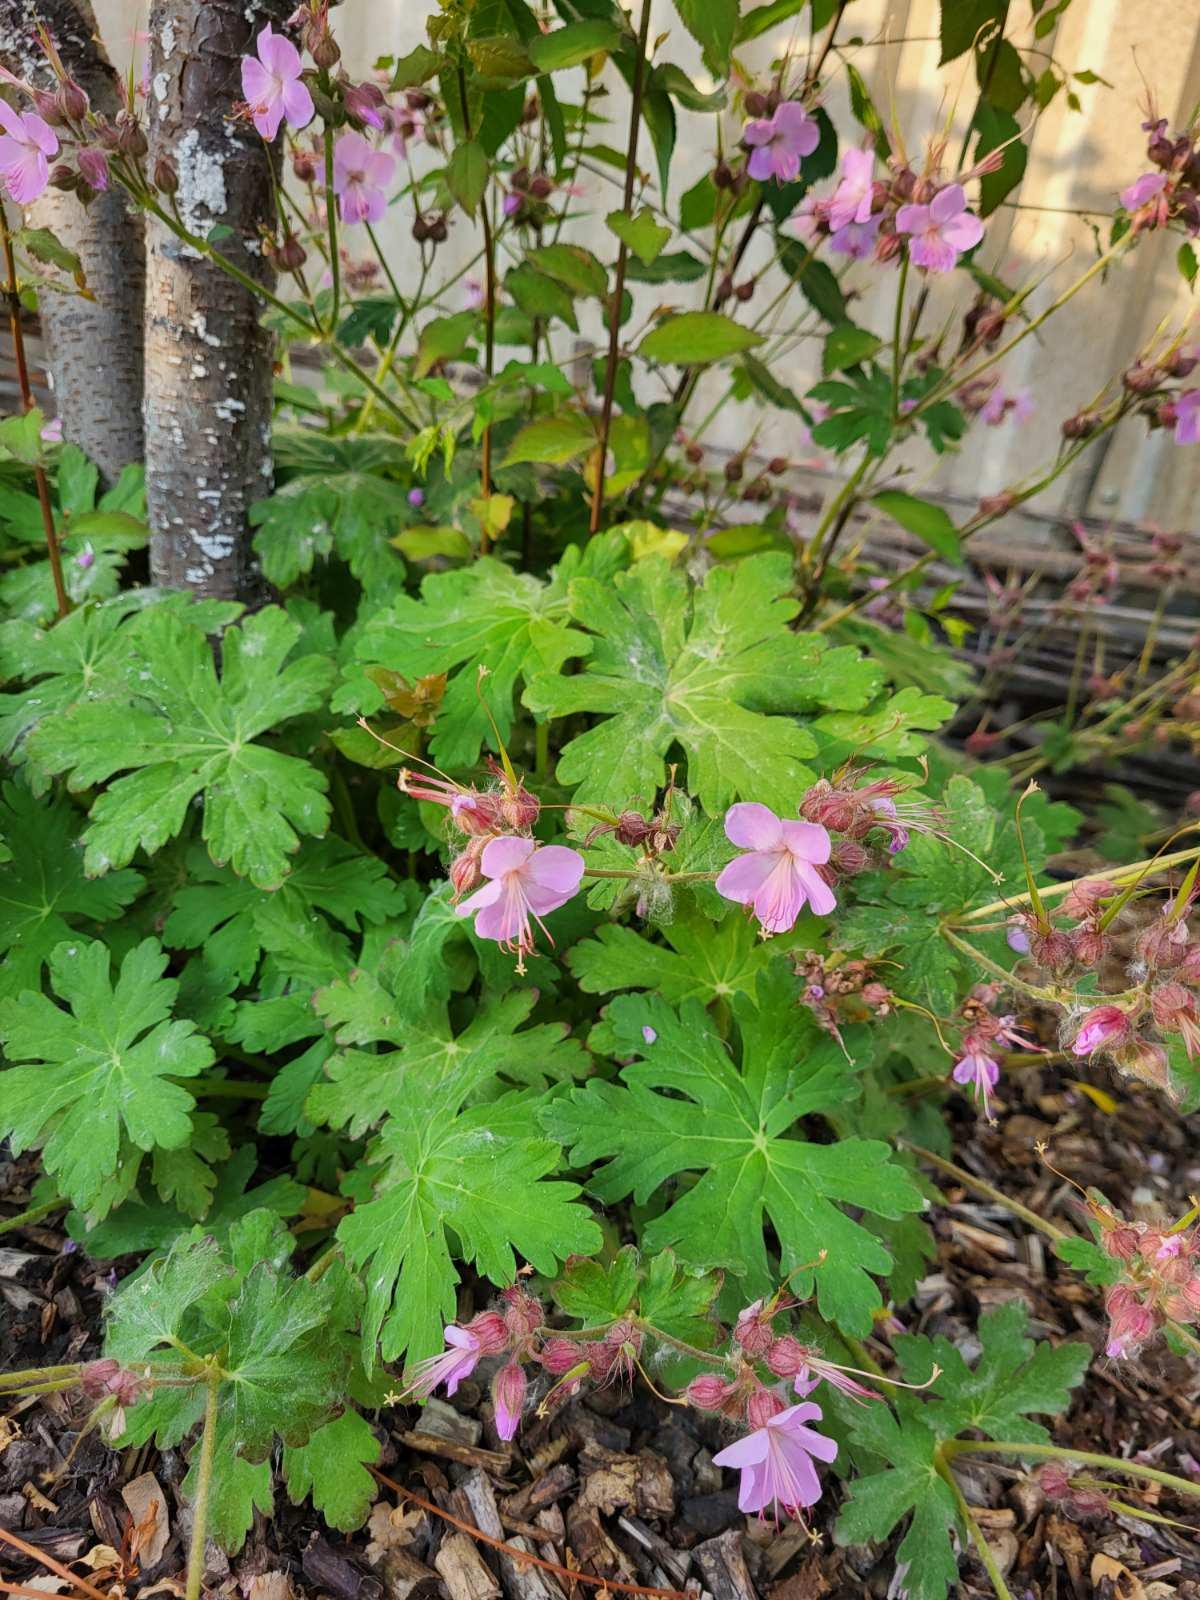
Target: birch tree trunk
{"x": 208, "y": 358}
{"x": 94, "y": 347}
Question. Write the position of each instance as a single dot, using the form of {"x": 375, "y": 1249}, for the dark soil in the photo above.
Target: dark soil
{"x": 622, "y": 1486}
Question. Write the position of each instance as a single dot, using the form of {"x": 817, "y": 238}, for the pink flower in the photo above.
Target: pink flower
{"x": 527, "y": 880}
{"x": 999, "y": 405}
{"x": 778, "y": 875}
{"x": 942, "y": 230}
{"x": 1187, "y": 416}
{"x": 982, "y": 1072}
{"x": 1147, "y": 187}
{"x": 93, "y": 164}
{"x": 272, "y": 85}
{"x": 776, "y": 1461}
{"x": 454, "y": 1364}
{"x": 474, "y": 294}
{"x": 52, "y": 432}
{"x": 855, "y": 239}
{"x": 852, "y": 198}
{"x": 1104, "y": 1026}
{"x": 359, "y": 174}
{"x": 508, "y": 1396}
{"x": 778, "y": 142}
{"x": 25, "y": 144}
{"x": 365, "y": 103}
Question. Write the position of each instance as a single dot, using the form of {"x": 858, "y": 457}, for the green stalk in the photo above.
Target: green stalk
{"x": 984, "y": 1550}
{"x": 25, "y": 1219}
{"x": 204, "y": 1472}
{"x": 335, "y": 264}
{"x": 897, "y": 352}
{"x": 1055, "y": 1452}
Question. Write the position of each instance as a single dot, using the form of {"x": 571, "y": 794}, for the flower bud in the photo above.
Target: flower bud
{"x": 996, "y": 505}
{"x": 1147, "y": 1062}
{"x": 1105, "y": 1027}
{"x": 787, "y": 1357}
{"x": 72, "y": 101}
{"x": 744, "y": 291}
{"x": 888, "y": 246}
{"x": 93, "y": 167}
{"x": 1168, "y": 1004}
{"x": 708, "y": 1392}
{"x": 1089, "y": 945}
{"x": 850, "y": 857}
{"x": 131, "y": 141}
{"x": 1121, "y": 1242}
{"x": 722, "y": 176}
{"x": 523, "y": 1314}
{"x": 1053, "y": 950}
{"x": 364, "y": 102}
{"x": 304, "y": 166}
{"x": 64, "y": 177}
{"x": 558, "y": 1356}
{"x": 519, "y": 808}
{"x": 166, "y": 175}
{"x": 465, "y": 871}
{"x": 762, "y": 1405}
{"x": 1181, "y": 364}
{"x": 755, "y": 104}
{"x": 47, "y": 107}
{"x": 95, "y": 1377}
{"x": 508, "y": 1397}
{"x": 1141, "y": 380}
{"x": 752, "y": 1331}
{"x": 1163, "y": 944}
{"x": 321, "y": 45}
{"x": 1081, "y": 426}
{"x": 291, "y": 254}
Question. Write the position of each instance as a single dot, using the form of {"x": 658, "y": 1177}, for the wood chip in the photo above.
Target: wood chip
{"x": 723, "y": 1567}
{"x": 469, "y": 1455}
{"x": 1123, "y": 1584}
{"x": 151, "y": 1519}
{"x": 264, "y": 1586}
{"x": 462, "y": 1570}
{"x": 521, "y": 1580}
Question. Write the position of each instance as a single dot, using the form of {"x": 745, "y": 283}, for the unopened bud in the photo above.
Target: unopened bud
{"x": 996, "y": 505}
{"x": 64, "y": 177}
{"x": 508, "y": 1397}
{"x": 541, "y": 187}
{"x": 47, "y": 107}
{"x": 72, "y": 101}
{"x": 707, "y": 1392}
{"x": 755, "y": 103}
{"x": 1141, "y": 380}
{"x": 322, "y": 46}
{"x": 131, "y": 141}
{"x": 519, "y": 808}
{"x": 291, "y": 254}
{"x": 490, "y": 1331}
{"x": 559, "y": 1356}
{"x": 304, "y": 166}
{"x": 787, "y": 1357}
{"x": 762, "y": 1405}
{"x": 722, "y": 175}
{"x": 166, "y": 175}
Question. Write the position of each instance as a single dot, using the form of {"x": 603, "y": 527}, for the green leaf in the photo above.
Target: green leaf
{"x": 998, "y": 128}
{"x": 716, "y": 671}
{"x": 762, "y": 18}
{"x": 477, "y": 1175}
{"x": 555, "y": 440}
{"x": 514, "y": 624}
{"x": 180, "y": 732}
{"x": 929, "y": 522}
{"x": 847, "y": 346}
{"x": 697, "y": 961}
{"x": 442, "y": 339}
{"x": 574, "y": 44}
{"x": 1185, "y": 260}
{"x": 233, "y": 922}
{"x": 639, "y": 233}
{"x": 423, "y": 544}
{"x": 467, "y": 175}
{"x": 696, "y": 338}
{"x": 816, "y": 280}
{"x": 573, "y": 266}
{"x": 712, "y": 23}
{"x": 417, "y": 67}
{"x": 44, "y": 895}
{"x": 736, "y": 1129}
{"x": 965, "y": 24}
{"x": 332, "y": 1468}
{"x": 101, "y": 1089}
{"x": 47, "y": 248}
{"x": 676, "y": 266}
{"x": 909, "y": 1484}
{"x": 658, "y": 1293}
{"x": 1012, "y": 1378}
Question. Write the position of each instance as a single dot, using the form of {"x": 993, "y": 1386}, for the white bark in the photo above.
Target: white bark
{"x": 208, "y": 359}
{"x": 94, "y": 347}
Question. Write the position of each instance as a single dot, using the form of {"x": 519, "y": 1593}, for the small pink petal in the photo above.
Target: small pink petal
{"x": 753, "y": 827}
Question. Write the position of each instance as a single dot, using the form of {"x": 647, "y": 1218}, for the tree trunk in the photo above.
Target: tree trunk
{"x": 94, "y": 347}
{"x": 208, "y": 358}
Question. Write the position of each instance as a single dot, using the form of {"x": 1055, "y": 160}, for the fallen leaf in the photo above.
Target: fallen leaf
{"x": 151, "y": 1519}
{"x": 1125, "y": 1586}
{"x": 99, "y": 1558}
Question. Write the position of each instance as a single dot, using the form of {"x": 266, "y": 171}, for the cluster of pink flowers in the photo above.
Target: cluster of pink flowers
{"x": 1160, "y": 1280}
{"x": 1165, "y": 969}
{"x": 1169, "y": 191}
{"x": 840, "y": 992}
{"x": 778, "y": 135}
{"x": 866, "y": 216}
{"x": 525, "y": 880}
{"x": 988, "y": 399}
{"x": 764, "y": 1382}
{"x": 984, "y": 1036}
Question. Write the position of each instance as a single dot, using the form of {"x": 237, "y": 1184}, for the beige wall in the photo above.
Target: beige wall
{"x": 1077, "y": 161}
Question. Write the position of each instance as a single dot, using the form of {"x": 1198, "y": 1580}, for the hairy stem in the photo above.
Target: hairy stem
{"x": 25, "y": 1219}
{"x": 204, "y": 1472}
{"x": 1055, "y": 1452}
{"x": 984, "y": 1550}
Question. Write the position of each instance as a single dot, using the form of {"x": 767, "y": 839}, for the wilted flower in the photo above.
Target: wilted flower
{"x": 981, "y": 1072}
{"x": 776, "y": 1461}
{"x": 273, "y": 87}
{"x": 778, "y": 876}
{"x": 508, "y": 1397}
{"x": 941, "y": 230}
{"x": 1103, "y": 1028}
{"x": 25, "y": 146}
{"x": 778, "y": 142}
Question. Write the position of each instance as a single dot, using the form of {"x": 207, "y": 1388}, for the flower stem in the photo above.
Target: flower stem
{"x": 1111, "y": 875}
{"x": 897, "y": 352}
{"x": 204, "y": 1472}
{"x": 24, "y": 1219}
{"x": 1054, "y": 1452}
{"x": 981, "y": 1186}
{"x": 1003, "y": 1592}
{"x": 335, "y": 262}
{"x": 618, "y": 291}
{"x": 12, "y": 294}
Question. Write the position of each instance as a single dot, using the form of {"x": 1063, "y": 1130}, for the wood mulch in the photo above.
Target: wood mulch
{"x": 623, "y": 1487}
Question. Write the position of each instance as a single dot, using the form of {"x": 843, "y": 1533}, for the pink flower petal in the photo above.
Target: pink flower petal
{"x": 10, "y": 121}
{"x": 486, "y": 896}
{"x": 555, "y": 869}
{"x": 799, "y": 130}
{"x": 808, "y": 841}
{"x": 930, "y": 251}
{"x": 759, "y": 131}
{"x": 963, "y": 232}
{"x": 42, "y": 134}
{"x": 278, "y": 54}
{"x": 298, "y": 105}
{"x": 912, "y": 219}
{"x": 744, "y": 1452}
{"x": 753, "y": 827}
{"x": 506, "y": 920}
{"x": 947, "y": 204}
{"x": 821, "y": 897}
{"x": 509, "y": 853}
{"x": 742, "y": 879}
